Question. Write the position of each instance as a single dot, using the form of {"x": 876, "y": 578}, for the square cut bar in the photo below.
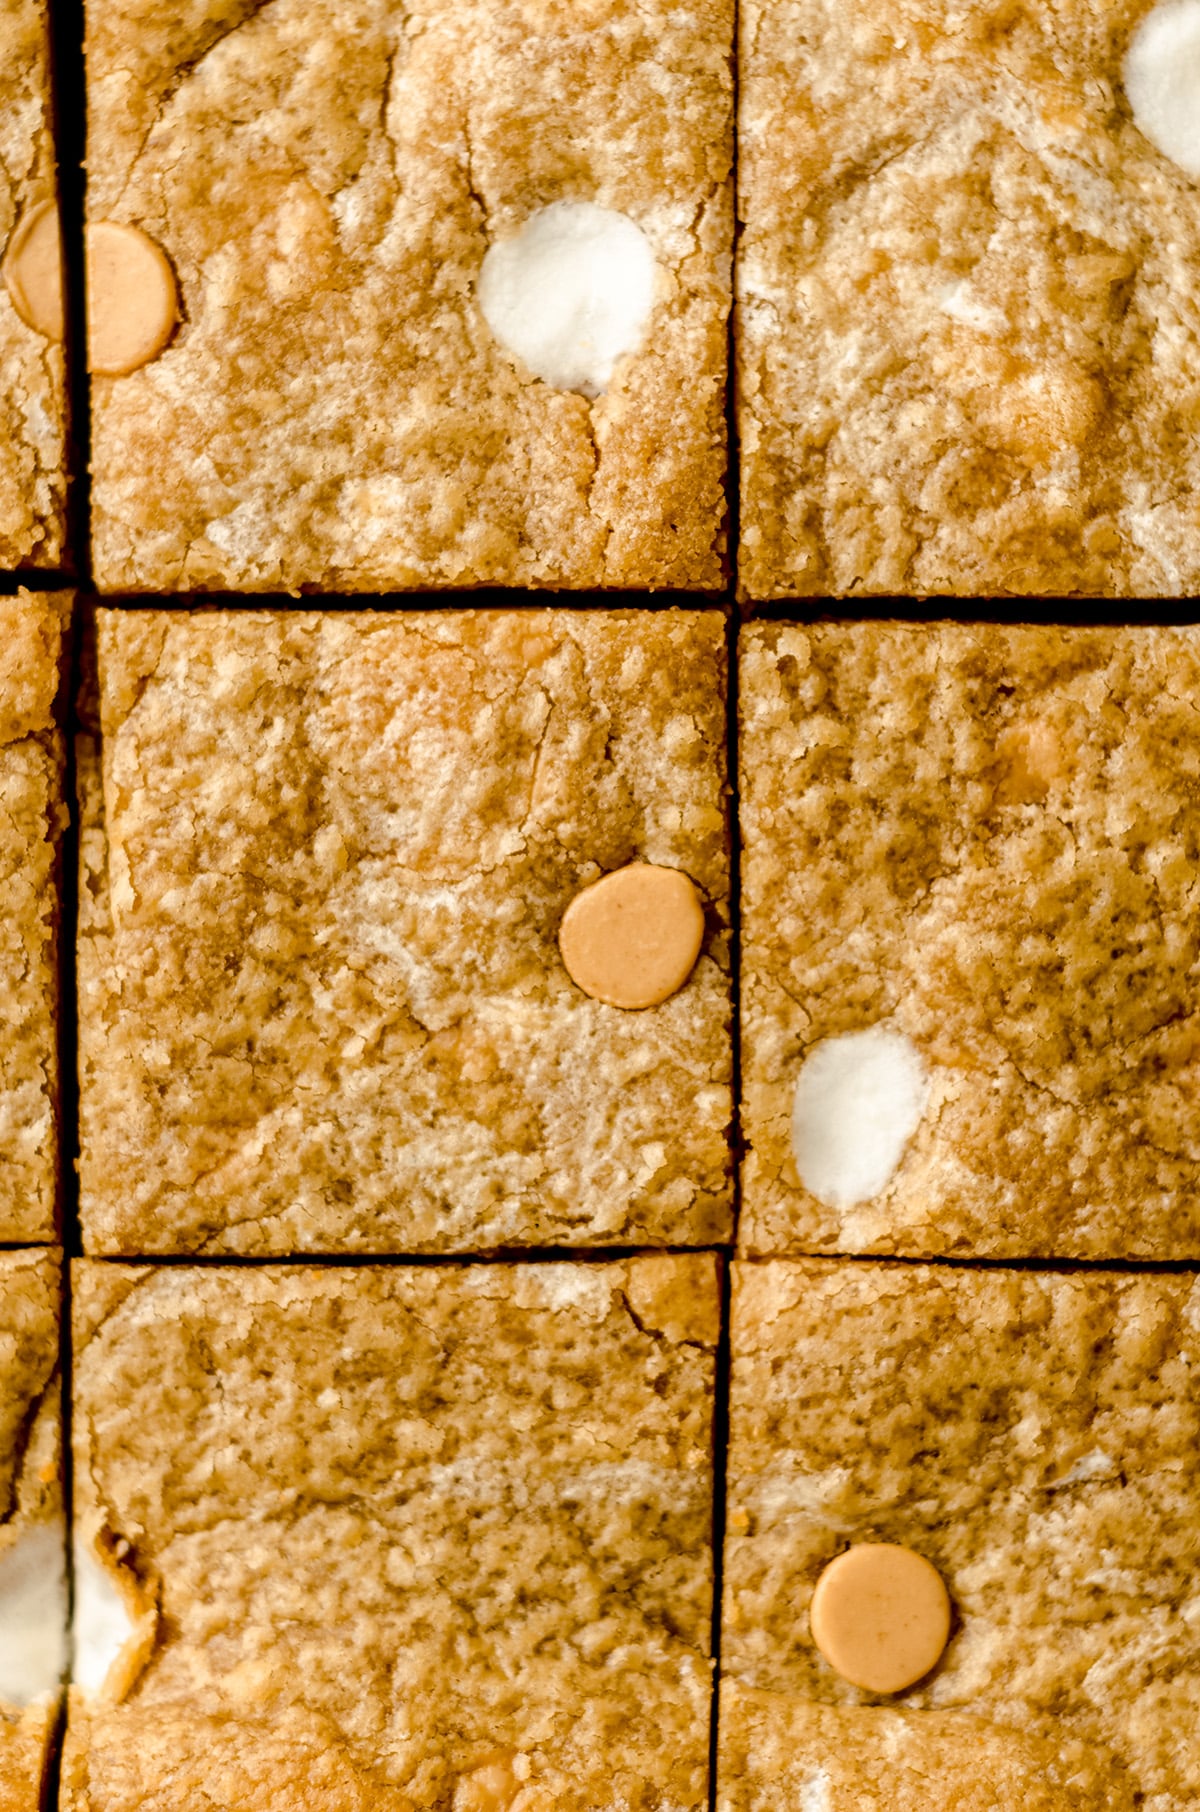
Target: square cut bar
{"x": 32, "y": 818}
{"x": 333, "y": 412}
{"x": 982, "y": 842}
{"x": 449, "y": 1546}
{"x": 33, "y": 481}
{"x": 967, "y": 306}
{"x": 325, "y": 860}
{"x": 33, "y": 1593}
{"x": 1033, "y": 1436}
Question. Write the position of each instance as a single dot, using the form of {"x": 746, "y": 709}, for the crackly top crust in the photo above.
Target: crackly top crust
{"x": 780, "y": 1753}
{"x": 325, "y": 176}
{"x": 969, "y": 344}
{"x": 461, "y": 1511}
{"x": 31, "y": 632}
{"x": 988, "y": 837}
{"x": 1031, "y": 1435}
{"x": 322, "y": 1006}
{"x": 32, "y": 818}
{"x": 32, "y": 394}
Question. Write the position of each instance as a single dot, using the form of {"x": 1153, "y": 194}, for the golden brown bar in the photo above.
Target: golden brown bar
{"x": 326, "y": 857}
{"x": 33, "y": 1593}
{"x": 334, "y": 411}
{"x": 970, "y": 948}
{"x": 33, "y": 480}
{"x": 1030, "y": 1434}
{"x": 450, "y": 1546}
{"x": 968, "y": 339}
{"x": 32, "y": 819}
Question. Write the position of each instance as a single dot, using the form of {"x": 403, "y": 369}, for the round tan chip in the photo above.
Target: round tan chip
{"x": 632, "y": 938}
{"x": 880, "y": 1616}
{"x": 33, "y": 271}
{"x": 133, "y": 303}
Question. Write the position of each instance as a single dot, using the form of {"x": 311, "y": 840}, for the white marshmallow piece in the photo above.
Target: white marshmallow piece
{"x": 859, "y": 1100}
{"x": 102, "y": 1625}
{"x": 570, "y": 293}
{"x": 1162, "y": 81}
{"x": 815, "y": 1793}
{"x": 33, "y": 1615}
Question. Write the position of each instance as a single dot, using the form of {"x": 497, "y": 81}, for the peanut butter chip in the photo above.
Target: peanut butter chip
{"x": 133, "y": 304}
{"x": 33, "y": 271}
{"x": 880, "y": 1616}
{"x": 632, "y": 938}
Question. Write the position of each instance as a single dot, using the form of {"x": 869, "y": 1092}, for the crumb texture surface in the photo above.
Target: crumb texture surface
{"x": 32, "y": 818}
{"x": 458, "y": 1529}
{"x": 24, "y": 1741}
{"x": 32, "y": 392}
{"x": 325, "y": 862}
{"x": 780, "y": 1753}
{"x": 986, "y": 838}
{"x": 30, "y": 1478}
{"x": 326, "y": 177}
{"x": 1031, "y": 1435}
{"x": 968, "y": 313}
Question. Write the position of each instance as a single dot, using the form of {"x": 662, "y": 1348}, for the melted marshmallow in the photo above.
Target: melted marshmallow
{"x": 33, "y": 1615}
{"x": 859, "y": 1099}
{"x": 570, "y": 293}
{"x": 1162, "y": 81}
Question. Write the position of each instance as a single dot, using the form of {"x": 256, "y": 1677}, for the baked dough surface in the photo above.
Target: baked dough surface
{"x": 458, "y": 1516}
{"x": 32, "y": 819}
{"x": 968, "y": 307}
{"x": 985, "y": 837}
{"x": 1031, "y": 1434}
{"x": 30, "y": 1479}
{"x": 33, "y": 481}
{"x": 326, "y": 177}
{"x": 776, "y": 1749}
{"x": 326, "y": 857}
